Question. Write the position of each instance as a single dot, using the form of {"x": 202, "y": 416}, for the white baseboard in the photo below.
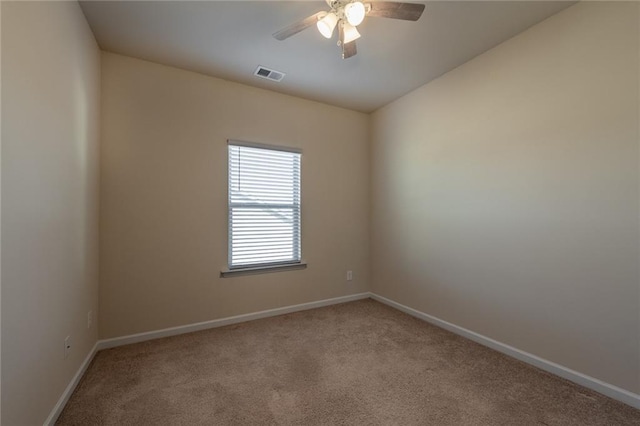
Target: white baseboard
{"x": 173, "y": 331}
{"x": 57, "y": 410}
{"x": 592, "y": 383}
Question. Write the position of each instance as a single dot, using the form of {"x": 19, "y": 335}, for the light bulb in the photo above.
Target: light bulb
{"x": 350, "y": 33}
{"x": 327, "y": 24}
{"x": 355, "y": 13}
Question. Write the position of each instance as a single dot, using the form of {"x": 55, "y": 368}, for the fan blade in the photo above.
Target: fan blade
{"x": 295, "y": 28}
{"x": 396, "y": 10}
{"x": 348, "y": 49}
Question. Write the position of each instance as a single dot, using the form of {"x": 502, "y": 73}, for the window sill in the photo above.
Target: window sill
{"x": 226, "y": 273}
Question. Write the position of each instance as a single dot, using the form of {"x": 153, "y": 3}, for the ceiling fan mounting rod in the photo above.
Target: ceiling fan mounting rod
{"x": 339, "y": 7}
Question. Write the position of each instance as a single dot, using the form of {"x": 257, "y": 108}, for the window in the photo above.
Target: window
{"x": 264, "y": 206}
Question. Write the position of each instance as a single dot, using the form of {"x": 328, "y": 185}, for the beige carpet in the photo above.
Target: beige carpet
{"x": 359, "y": 363}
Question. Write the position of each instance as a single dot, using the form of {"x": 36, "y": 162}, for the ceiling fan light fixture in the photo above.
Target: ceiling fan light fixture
{"x": 347, "y": 15}
{"x": 327, "y": 24}
{"x": 350, "y": 33}
{"x": 354, "y": 12}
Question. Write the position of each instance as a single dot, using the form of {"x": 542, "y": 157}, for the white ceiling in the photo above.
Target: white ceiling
{"x": 229, "y": 39}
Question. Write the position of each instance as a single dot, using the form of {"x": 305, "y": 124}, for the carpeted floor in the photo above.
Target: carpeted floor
{"x": 359, "y": 363}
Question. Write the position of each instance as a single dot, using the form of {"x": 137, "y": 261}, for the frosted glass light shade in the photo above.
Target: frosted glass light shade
{"x": 327, "y": 24}
{"x": 350, "y": 33}
{"x": 355, "y": 13}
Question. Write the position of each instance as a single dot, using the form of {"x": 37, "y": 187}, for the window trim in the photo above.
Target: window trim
{"x": 263, "y": 269}
{"x": 230, "y": 271}
{"x": 260, "y": 145}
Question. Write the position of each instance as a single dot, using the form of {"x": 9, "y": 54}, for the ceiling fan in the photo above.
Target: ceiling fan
{"x": 347, "y": 15}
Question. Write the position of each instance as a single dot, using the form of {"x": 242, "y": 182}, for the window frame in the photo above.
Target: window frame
{"x": 230, "y": 269}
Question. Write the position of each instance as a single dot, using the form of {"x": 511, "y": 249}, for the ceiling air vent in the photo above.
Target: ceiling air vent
{"x": 268, "y": 74}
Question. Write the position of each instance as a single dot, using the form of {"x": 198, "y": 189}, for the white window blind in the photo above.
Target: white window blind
{"x": 264, "y": 206}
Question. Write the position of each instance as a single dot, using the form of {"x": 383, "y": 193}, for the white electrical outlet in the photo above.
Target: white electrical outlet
{"x": 67, "y": 346}
{"x": 349, "y": 275}
{"x": 89, "y": 319}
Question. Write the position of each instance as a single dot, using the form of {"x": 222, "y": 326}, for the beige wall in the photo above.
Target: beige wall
{"x": 50, "y": 130}
{"x": 505, "y": 193}
{"x": 164, "y": 196}
{"x": 0, "y": 219}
